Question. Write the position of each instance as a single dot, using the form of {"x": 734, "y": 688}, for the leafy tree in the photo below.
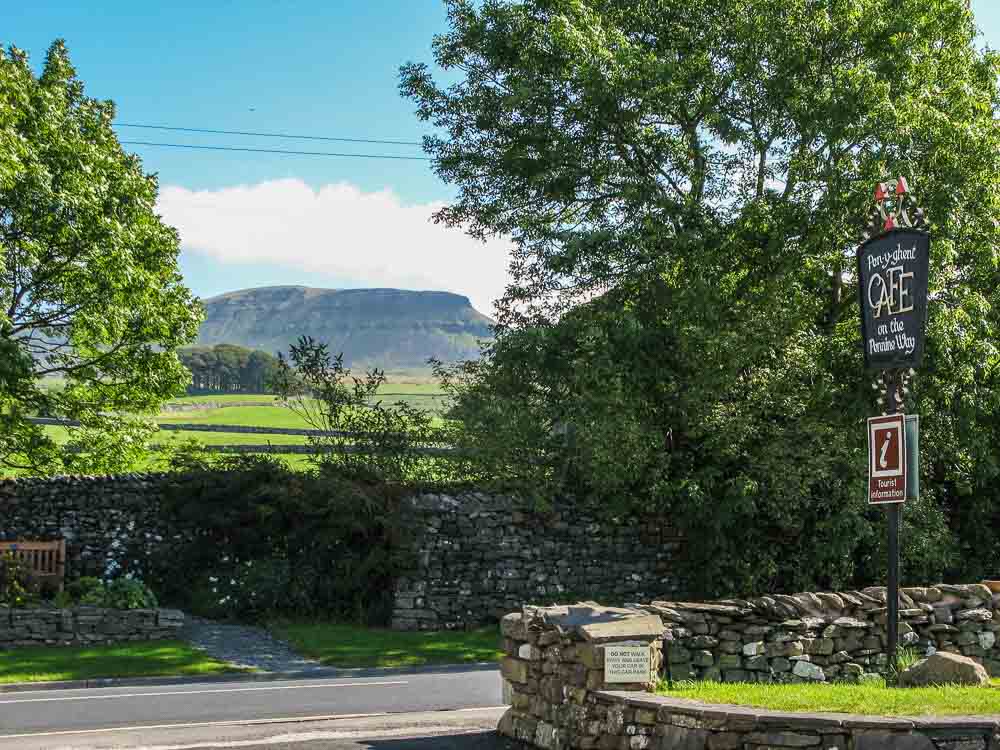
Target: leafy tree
{"x": 362, "y": 438}
{"x": 685, "y": 183}
{"x": 90, "y": 293}
{"x": 229, "y": 368}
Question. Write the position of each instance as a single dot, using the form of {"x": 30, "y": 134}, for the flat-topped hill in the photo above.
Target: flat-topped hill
{"x": 388, "y": 328}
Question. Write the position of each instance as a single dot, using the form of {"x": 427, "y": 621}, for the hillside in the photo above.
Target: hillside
{"x": 387, "y": 328}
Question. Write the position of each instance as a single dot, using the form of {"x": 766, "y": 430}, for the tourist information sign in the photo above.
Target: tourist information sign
{"x": 886, "y": 459}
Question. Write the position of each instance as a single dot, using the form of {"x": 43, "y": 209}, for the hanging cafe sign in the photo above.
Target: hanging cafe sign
{"x": 892, "y": 288}
{"x": 892, "y": 269}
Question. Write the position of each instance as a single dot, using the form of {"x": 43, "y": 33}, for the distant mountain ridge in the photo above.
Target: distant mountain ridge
{"x": 386, "y": 328}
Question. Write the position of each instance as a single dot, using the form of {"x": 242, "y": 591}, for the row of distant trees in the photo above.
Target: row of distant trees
{"x": 227, "y": 368}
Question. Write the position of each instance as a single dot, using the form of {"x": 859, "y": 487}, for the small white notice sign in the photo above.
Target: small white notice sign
{"x": 626, "y": 664}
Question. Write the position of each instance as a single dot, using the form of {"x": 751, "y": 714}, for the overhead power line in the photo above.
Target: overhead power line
{"x": 273, "y": 151}
{"x": 389, "y": 142}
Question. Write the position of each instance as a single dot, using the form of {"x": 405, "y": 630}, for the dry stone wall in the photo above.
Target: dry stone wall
{"x": 99, "y": 517}
{"x": 825, "y": 636}
{"x": 478, "y": 557}
{"x": 79, "y": 626}
{"x": 556, "y": 684}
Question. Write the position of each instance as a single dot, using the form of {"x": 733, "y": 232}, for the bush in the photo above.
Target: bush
{"x": 82, "y": 587}
{"x": 364, "y": 438}
{"x": 121, "y": 593}
{"x": 14, "y": 584}
{"x": 261, "y": 539}
{"x": 128, "y": 593}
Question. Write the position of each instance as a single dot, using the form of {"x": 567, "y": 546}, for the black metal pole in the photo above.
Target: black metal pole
{"x": 666, "y": 659}
{"x": 892, "y": 518}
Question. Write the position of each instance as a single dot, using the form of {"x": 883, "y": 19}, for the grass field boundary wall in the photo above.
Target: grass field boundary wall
{"x": 83, "y": 625}
{"x": 556, "y": 683}
{"x": 173, "y": 407}
{"x": 283, "y": 449}
{"x": 201, "y": 427}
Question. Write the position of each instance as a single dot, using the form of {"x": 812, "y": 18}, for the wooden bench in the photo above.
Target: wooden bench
{"x": 44, "y": 561}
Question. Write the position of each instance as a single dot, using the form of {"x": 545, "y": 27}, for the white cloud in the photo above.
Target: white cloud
{"x": 339, "y": 231}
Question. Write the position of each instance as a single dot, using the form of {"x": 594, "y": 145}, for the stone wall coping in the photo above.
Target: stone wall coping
{"x": 768, "y": 719}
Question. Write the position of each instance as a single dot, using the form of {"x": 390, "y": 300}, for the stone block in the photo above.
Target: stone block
{"x": 725, "y": 741}
{"x": 590, "y": 655}
{"x": 782, "y": 739}
{"x": 943, "y": 669}
{"x": 645, "y": 716}
{"x": 789, "y": 648}
{"x": 974, "y": 615}
{"x": 529, "y": 652}
{"x": 643, "y": 627}
{"x": 682, "y": 738}
{"x": 703, "y": 642}
{"x": 808, "y": 671}
{"x": 512, "y": 626}
{"x": 678, "y": 655}
{"x": 702, "y": 658}
{"x": 883, "y": 740}
{"x": 514, "y": 670}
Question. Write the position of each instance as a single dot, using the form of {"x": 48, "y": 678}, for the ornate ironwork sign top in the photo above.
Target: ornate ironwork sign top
{"x": 894, "y": 208}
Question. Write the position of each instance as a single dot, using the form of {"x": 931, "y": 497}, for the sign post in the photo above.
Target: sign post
{"x": 893, "y": 265}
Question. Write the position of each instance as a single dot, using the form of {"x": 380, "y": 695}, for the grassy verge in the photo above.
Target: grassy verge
{"x": 150, "y": 659}
{"x": 868, "y": 698}
{"x": 352, "y": 646}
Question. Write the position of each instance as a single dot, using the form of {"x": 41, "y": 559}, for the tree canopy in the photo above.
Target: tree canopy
{"x": 227, "y": 368}
{"x": 685, "y": 183}
{"x": 90, "y": 294}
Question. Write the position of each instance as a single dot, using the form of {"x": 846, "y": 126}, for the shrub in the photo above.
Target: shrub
{"x": 364, "y": 438}
{"x": 81, "y": 587}
{"x": 268, "y": 540}
{"x": 121, "y": 593}
{"x": 128, "y": 593}
{"x": 14, "y": 584}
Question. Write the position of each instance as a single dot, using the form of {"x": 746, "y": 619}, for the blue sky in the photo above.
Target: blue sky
{"x": 318, "y": 68}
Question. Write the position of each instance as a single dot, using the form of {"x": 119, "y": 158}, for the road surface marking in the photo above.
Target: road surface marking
{"x": 192, "y": 725}
{"x": 197, "y": 692}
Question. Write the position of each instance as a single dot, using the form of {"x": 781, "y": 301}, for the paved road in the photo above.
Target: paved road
{"x": 64, "y": 718}
{"x": 462, "y": 729}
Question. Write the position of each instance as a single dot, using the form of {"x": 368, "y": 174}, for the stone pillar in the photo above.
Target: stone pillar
{"x": 555, "y": 656}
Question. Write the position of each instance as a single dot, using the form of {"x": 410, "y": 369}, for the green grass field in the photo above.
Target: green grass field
{"x": 352, "y": 646}
{"x": 250, "y": 416}
{"x": 427, "y": 396}
{"x": 423, "y": 395}
{"x": 872, "y": 698}
{"x": 150, "y": 659}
